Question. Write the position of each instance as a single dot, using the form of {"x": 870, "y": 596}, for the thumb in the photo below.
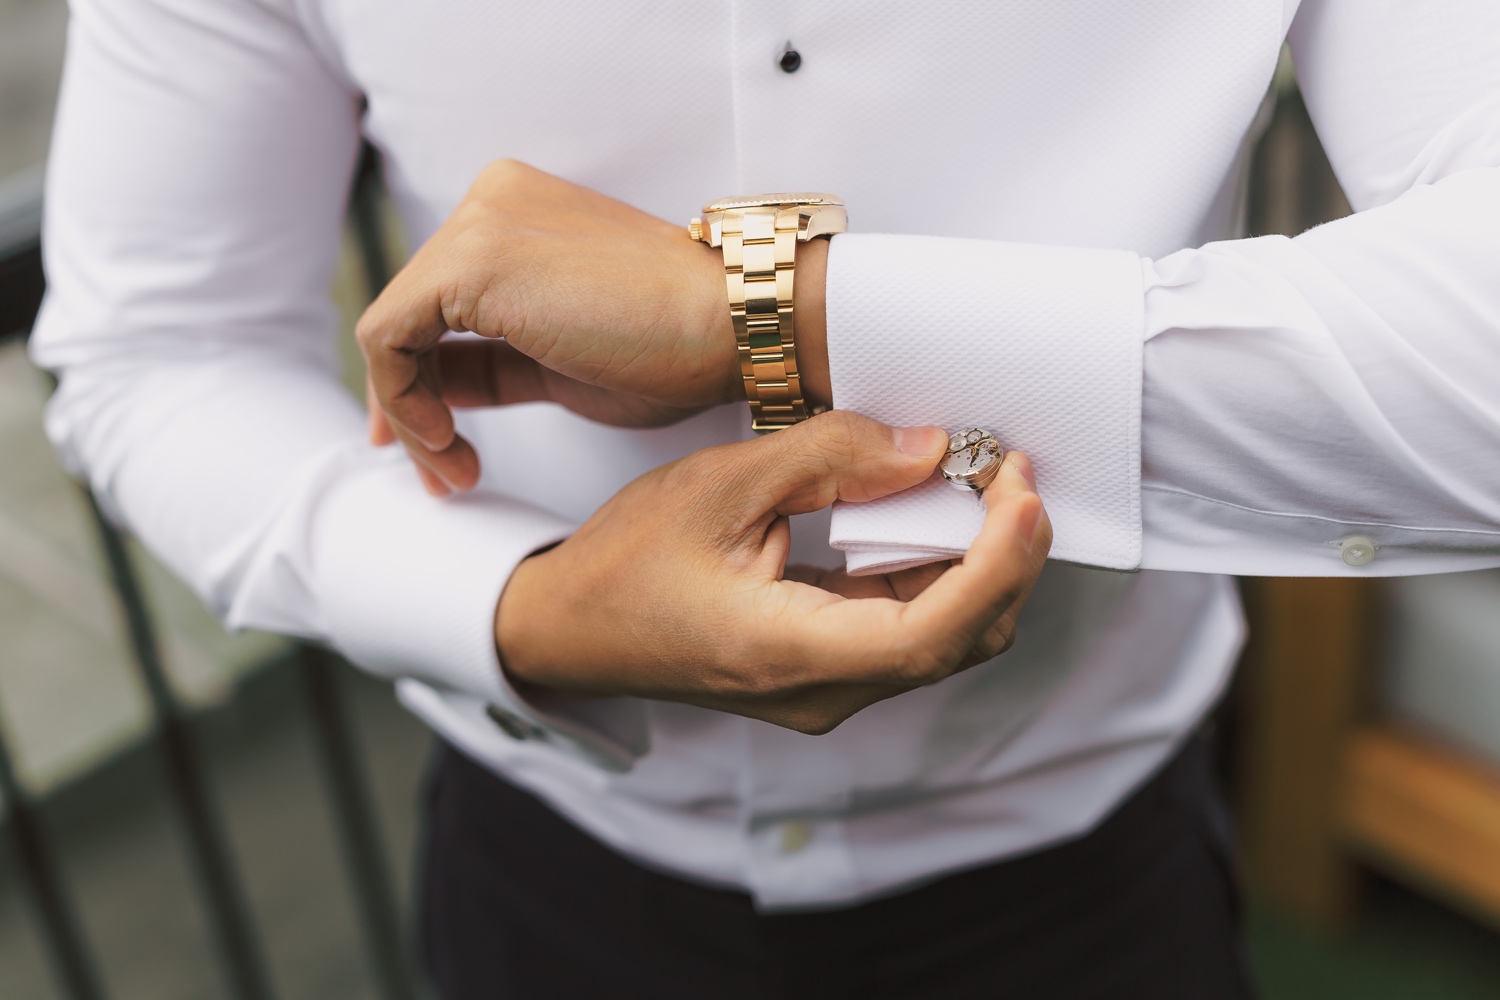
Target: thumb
{"x": 836, "y": 456}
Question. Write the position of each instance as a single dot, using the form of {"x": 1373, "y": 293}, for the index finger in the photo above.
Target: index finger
{"x": 998, "y": 571}
{"x": 399, "y": 328}
{"x": 925, "y": 639}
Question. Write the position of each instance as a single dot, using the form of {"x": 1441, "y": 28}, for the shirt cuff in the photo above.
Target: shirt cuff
{"x": 1041, "y": 345}
{"x": 410, "y": 584}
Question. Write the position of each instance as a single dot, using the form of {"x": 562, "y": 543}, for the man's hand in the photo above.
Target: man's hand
{"x": 611, "y": 312}
{"x": 678, "y": 589}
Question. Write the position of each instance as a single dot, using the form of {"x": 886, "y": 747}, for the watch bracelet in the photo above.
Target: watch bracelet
{"x": 760, "y": 255}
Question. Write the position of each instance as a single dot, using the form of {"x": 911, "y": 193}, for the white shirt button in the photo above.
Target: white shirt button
{"x": 795, "y": 836}
{"x": 1357, "y": 550}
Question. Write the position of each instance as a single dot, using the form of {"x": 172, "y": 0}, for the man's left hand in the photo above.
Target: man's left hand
{"x": 609, "y": 311}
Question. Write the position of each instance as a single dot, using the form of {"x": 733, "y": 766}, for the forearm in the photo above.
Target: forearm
{"x": 190, "y": 244}
{"x": 1294, "y": 393}
{"x": 1301, "y": 392}
{"x": 282, "y": 518}
{"x": 1290, "y": 394}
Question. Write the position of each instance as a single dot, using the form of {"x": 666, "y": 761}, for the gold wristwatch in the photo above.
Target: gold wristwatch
{"x": 759, "y": 235}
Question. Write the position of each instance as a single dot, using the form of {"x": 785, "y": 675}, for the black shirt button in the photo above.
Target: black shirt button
{"x": 790, "y": 59}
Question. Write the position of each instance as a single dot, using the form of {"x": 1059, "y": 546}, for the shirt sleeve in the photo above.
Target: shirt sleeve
{"x": 195, "y": 197}
{"x": 1261, "y": 406}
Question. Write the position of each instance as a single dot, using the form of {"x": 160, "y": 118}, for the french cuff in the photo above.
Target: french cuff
{"x": 1041, "y": 345}
{"x": 409, "y": 586}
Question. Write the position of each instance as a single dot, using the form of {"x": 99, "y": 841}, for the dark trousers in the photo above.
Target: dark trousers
{"x": 520, "y": 904}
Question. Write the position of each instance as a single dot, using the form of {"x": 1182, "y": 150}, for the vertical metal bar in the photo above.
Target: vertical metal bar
{"x": 234, "y": 934}
{"x": 21, "y": 288}
{"x": 354, "y": 812}
{"x": 65, "y": 945}
{"x": 365, "y": 213}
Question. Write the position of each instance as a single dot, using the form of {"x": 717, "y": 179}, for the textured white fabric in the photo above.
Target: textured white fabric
{"x": 1048, "y": 175}
{"x": 1040, "y": 345}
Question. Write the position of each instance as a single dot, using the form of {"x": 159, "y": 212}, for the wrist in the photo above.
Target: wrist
{"x": 809, "y": 289}
{"x": 715, "y": 326}
{"x": 809, "y": 307}
{"x": 518, "y": 617}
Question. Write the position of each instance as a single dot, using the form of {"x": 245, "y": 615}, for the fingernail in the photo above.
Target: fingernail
{"x": 920, "y": 442}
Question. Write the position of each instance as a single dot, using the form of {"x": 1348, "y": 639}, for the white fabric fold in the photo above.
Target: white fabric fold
{"x": 930, "y": 522}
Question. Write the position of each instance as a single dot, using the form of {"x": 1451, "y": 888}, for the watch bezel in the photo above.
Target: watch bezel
{"x": 775, "y": 198}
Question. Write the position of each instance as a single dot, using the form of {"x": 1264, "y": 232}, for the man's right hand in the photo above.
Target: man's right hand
{"x": 677, "y": 588}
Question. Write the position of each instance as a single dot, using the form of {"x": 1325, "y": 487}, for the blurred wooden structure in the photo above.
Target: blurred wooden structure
{"x": 1323, "y": 783}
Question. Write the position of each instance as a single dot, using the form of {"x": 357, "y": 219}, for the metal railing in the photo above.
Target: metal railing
{"x": 20, "y": 251}
{"x": 177, "y": 746}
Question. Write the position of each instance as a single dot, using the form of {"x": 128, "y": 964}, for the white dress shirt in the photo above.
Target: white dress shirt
{"x": 1032, "y": 187}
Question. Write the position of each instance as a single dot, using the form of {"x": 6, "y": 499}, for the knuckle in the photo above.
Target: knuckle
{"x": 488, "y": 241}
{"x": 996, "y": 642}
{"x": 461, "y": 303}
{"x": 719, "y": 472}
{"x": 839, "y": 433}
{"x": 816, "y": 721}
{"x": 679, "y": 476}
{"x": 742, "y": 675}
{"x": 367, "y": 329}
{"x": 1012, "y": 583}
{"x": 844, "y": 422}
{"x": 1002, "y": 630}
{"x": 920, "y": 665}
{"x": 701, "y": 471}
{"x": 504, "y": 172}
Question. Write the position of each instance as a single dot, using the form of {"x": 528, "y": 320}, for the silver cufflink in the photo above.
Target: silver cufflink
{"x": 973, "y": 459}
